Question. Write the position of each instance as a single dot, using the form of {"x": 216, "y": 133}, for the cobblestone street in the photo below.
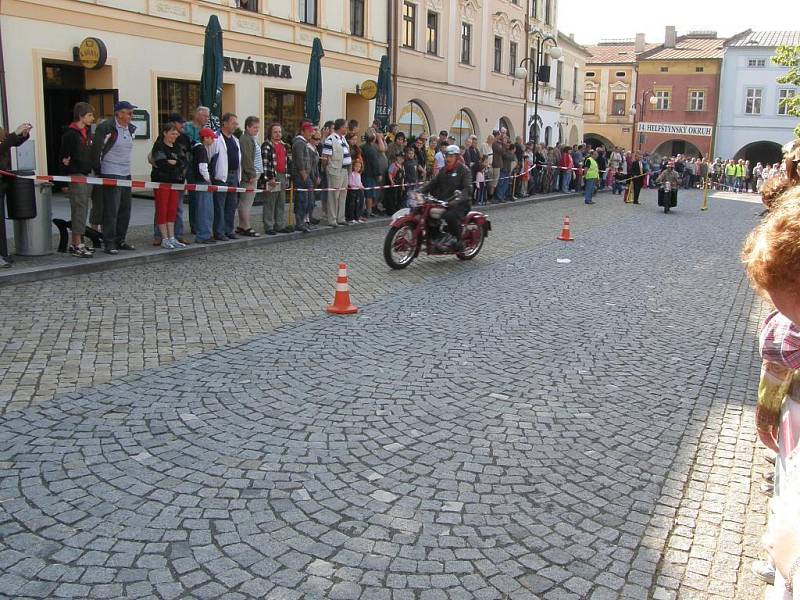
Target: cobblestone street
{"x": 506, "y": 428}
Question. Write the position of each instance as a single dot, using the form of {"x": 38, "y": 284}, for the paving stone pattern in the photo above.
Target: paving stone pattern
{"x": 515, "y": 429}
{"x": 66, "y": 334}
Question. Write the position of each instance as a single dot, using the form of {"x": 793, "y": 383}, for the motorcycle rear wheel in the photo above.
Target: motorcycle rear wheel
{"x": 473, "y": 237}
{"x": 399, "y": 248}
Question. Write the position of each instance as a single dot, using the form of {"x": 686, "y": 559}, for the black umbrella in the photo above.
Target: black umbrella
{"x": 383, "y": 101}
{"x": 211, "y": 79}
{"x": 312, "y": 108}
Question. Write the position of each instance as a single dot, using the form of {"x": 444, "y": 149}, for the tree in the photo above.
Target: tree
{"x": 789, "y": 56}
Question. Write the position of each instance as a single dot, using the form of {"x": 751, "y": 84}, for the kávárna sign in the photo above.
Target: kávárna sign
{"x": 676, "y": 129}
{"x": 249, "y": 66}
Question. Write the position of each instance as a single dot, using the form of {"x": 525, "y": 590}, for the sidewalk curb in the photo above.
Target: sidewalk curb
{"x": 14, "y": 276}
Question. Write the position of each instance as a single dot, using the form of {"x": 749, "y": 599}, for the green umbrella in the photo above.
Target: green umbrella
{"x": 383, "y": 101}
{"x": 313, "y": 104}
{"x": 211, "y": 79}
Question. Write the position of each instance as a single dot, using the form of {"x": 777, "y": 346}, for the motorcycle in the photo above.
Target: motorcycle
{"x": 421, "y": 226}
{"x": 667, "y": 196}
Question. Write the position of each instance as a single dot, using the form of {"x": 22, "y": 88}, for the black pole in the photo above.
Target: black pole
{"x": 536, "y": 93}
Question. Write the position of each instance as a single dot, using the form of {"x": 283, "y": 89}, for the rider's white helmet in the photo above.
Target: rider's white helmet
{"x": 453, "y": 149}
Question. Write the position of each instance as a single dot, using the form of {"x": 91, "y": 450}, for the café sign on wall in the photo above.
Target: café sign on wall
{"x": 248, "y": 66}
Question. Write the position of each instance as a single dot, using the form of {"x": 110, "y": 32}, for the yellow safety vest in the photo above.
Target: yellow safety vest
{"x": 593, "y": 172}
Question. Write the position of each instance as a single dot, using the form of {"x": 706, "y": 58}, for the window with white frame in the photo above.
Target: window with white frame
{"x": 752, "y": 103}
{"x": 697, "y": 100}
{"x": 498, "y": 54}
{"x": 662, "y": 100}
{"x": 308, "y": 11}
{"x": 589, "y": 103}
{"x": 756, "y": 63}
{"x": 784, "y": 95}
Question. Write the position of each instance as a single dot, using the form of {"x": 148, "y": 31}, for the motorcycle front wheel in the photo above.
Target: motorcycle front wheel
{"x": 473, "y": 237}
{"x": 399, "y": 247}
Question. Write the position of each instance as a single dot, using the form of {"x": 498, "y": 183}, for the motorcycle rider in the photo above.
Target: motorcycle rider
{"x": 669, "y": 175}
{"x": 453, "y": 184}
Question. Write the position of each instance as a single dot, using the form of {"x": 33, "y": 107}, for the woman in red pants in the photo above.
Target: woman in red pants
{"x": 169, "y": 166}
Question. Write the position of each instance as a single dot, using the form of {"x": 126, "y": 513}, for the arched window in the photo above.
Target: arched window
{"x": 548, "y": 134}
{"x": 413, "y": 120}
{"x": 462, "y": 127}
{"x": 504, "y": 123}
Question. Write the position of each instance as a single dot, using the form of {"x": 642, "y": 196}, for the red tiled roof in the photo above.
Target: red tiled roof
{"x": 687, "y": 48}
{"x": 611, "y": 54}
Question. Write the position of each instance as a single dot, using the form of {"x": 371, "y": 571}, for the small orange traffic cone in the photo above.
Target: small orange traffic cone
{"x": 565, "y": 236}
{"x": 341, "y": 300}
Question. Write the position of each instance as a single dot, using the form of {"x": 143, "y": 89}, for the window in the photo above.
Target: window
{"x": 285, "y": 108}
{"x": 498, "y": 54}
{"x": 559, "y": 67}
{"x": 662, "y": 100}
{"x": 618, "y": 103}
{"x": 752, "y": 104}
{"x": 466, "y": 43}
{"x": 535, "y": 9}
{"x": 512, "y": 57}
{"x": 697, "y": 100}
{"x": 433, "y": 33}
{"x": 250, "y": 5}
{"x": 619, "y": 74}
{"x": 589, "y": 103}
{"x": 574, "y": 85}
{"x": 461, "y": 127}
{"x": 783, "y": 96}
{"x": 699, "y": 69}
{"x": 756, "y": 63}
{"x": 409, "y": 25}
{"x": 176, "y": 96}
{"x": 664, "y": 69}
{"x": 413, "y": 121}
{"x": 357, "y": 18}
{"x": 308, "y": 11}
{"x": 547, "y": 12}
{"x": 589, "y": 74}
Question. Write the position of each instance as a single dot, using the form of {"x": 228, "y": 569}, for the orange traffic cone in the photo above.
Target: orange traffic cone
{"x": 341, "y": 300}
{"x": 565, "y": 236}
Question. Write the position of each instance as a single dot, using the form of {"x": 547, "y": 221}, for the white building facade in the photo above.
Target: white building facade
{"x": 753, "y": 122}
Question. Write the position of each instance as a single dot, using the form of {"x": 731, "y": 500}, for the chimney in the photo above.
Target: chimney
{"x": 572, "y": 36}
{"x": 670, "y": 37}
{"x": 640, "y": 43}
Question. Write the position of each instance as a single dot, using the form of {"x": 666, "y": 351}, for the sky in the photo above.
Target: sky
{"x": 592, "y": 21}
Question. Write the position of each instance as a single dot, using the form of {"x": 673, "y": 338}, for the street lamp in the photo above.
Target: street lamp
{"x": 521, "y": 72}
{"x": 643, "y": 107}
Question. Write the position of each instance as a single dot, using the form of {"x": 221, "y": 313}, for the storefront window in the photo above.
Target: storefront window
{"x": 285, "y": 108}
{"x": 178, "y": 96}
{"x": 413, "y": 121}
{"x": 461, "y": 127}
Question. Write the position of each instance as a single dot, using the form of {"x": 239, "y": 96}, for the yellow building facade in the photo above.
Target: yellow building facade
{"x": 154, "y": 60}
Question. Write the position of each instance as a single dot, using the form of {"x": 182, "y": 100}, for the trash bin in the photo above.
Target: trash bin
{"x": 20, "y": 196}
{"x": 34, "y": 236}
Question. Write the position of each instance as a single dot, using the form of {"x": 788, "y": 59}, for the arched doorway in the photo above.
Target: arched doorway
{"x": 573, "y": 135}
{"x": 462, "y": 126}
{"x": 505, "y": 122}
{"x": 763, "y": 152}
{"x": 413, "y": 120}
{"x": 596, "y": 140}
{"x": 535, "y": 129}
{"x": 675, "y": 147}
